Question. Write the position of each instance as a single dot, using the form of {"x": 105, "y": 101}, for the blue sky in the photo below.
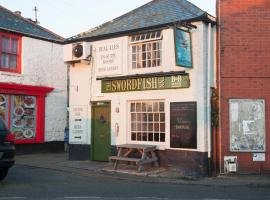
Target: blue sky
{"x": 70, "y": 17}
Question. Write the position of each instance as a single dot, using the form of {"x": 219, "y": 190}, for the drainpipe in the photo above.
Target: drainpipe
{"x": 208, "y": 99}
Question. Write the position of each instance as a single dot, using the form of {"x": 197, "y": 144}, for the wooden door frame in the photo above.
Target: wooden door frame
{"x": 108, "y": 104}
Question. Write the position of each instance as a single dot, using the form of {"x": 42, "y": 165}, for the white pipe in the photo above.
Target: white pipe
{"x": 208, "y": 85}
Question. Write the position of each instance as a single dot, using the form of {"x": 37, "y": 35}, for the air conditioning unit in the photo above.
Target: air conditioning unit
{"x": 230, "y": 164}
{"x": 77, "y": 52}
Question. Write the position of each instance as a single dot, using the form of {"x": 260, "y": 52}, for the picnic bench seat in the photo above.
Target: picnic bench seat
{"x": 125, "y": 153}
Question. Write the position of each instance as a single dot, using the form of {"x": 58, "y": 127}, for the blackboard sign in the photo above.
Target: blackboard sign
{"x": 183, "y": 125}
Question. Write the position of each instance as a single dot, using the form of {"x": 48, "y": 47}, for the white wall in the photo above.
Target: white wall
{"x": 42, "y": 65}
{"x": 85, "y": 88}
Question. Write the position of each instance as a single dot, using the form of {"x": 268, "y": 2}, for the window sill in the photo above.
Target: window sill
{"x": 11, "y": 74}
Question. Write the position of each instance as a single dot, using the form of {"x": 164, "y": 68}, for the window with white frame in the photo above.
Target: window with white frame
{"x": 147, "y": 121}
{"x": 146, "y": 50}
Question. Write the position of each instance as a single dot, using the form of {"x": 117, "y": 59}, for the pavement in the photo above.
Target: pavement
{"x": 60, "y": 162}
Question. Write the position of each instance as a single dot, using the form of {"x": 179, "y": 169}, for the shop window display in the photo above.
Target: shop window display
{"x": 19, "y": 112}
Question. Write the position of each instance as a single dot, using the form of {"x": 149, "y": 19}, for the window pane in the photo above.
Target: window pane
{"x": 162, "y": 117}
{"x": 134, "y": 57}
{"x": 161, "y": 106}
{"x": 133, "y": 126}
{"x": 150, "y": 127}
{"x": 139, "y": 117}
{"x": 134, "y": 49}
{"x": 162, "y": 137}
{"x": 156, "y": 137}
{"x": 144, "y": 117}
{"x": 139, "y": 126}
{"x": 150, "y": 136}
{"x": 150, "y": 117}
{"x": 156, "y": 127}
{"x": 144, "y": 107}
{"x": 143, "y": 47}
{"x": 144, "y": 127}
{"x": 149, "y": 107}
{"x": 139, "y": 137}
{"x": 14, "y": 46}
{"x": 162, "y": 127}
{"x": 12, "y": 61}
{"x": 133, "y": 136}
{"x": 132, "y": 107}
{"x": 133, "y": 117}
{"x": 138, "y": 107}
{"x": 5, "y": 44}
{"x": 4, "y": 60}
{"x": 156, "y": 117}
{"x": 144, "y": 137}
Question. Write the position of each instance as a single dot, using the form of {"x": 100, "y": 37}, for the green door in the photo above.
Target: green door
{"x": 101, "y": 126}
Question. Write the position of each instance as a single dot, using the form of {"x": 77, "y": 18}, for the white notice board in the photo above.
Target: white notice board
{"x": 78, "y": 124}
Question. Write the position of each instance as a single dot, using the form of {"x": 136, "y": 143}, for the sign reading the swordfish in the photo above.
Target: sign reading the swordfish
{"x": 145, "y": 83}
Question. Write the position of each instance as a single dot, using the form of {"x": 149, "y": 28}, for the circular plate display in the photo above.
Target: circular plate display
{"x": 29, "y": 102}
{"x": 2, "y": 99}
{"x": 28, "y": 133}
{"x": 18, "y": 111}
{"x": 18, "y": 122}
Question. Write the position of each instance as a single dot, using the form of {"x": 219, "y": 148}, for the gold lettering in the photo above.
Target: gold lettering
{"x": 113, "y": 86}
{"x": 129, "y": 84}
{"x": 118, "y": 85}
{"x": 148, "y": 83}
{"x": 123, "y": 85}
{"x": 154, "y": 83}
{"x": 140, "y": 83}
{"x": 134, "y": 84}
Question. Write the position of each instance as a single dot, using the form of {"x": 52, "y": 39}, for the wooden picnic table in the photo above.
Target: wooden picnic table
{"x": 125, "y": 152}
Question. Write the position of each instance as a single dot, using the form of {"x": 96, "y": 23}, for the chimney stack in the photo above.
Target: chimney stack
{"x": 17, "y": 12}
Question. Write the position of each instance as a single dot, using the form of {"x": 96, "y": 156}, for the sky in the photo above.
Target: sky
{"x": 70, "y": 17}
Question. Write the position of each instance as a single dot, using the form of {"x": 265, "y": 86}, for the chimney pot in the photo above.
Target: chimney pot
{"x": 19, "y": 13}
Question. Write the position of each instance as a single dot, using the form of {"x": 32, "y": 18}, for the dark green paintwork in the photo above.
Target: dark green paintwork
{"x": 101, "y": 136}
{"x": 145, "y": 83}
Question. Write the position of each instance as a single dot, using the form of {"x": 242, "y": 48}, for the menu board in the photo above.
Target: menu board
{"x": 183, "y": 125}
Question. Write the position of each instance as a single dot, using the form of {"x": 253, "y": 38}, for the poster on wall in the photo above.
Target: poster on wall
{"x": 183, "y": 125}
{"x": 247, "y": 125}
{"x": 78, "y": 125}
{"x": 183, "y": 50}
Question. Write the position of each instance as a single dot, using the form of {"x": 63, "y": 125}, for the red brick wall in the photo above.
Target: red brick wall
{"x": 244, "y": 67}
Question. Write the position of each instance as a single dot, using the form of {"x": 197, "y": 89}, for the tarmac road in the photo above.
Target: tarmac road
{"x": 26, "y": 182}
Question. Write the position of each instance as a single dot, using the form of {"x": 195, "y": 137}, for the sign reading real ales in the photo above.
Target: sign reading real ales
{"x": 145, "y": 83}
{"x": 183, "y": 125}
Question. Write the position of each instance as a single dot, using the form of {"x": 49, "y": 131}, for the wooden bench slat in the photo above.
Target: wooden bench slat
{"x": 124, "y": 159}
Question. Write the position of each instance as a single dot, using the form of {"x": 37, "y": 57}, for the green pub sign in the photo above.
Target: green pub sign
{"x": 145, "y": 83}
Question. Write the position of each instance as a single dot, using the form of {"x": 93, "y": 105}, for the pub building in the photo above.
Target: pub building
{"x": 144, "y": 78}
{"x": 33, "y": 90}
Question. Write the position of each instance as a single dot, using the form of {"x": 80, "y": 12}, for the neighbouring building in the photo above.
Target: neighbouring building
{"x": 145, "y": 78}
{"x": 244, "y": 84}
{"x": 33, "y": 83}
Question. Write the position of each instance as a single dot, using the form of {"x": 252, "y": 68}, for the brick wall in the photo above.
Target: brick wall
{"x": 244, "y": 67}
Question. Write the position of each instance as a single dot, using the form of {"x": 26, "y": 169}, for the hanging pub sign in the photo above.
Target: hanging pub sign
{"x": 183, "y": 51}
{"x": 183, "y": 117}
{"x": 145, "y": 83}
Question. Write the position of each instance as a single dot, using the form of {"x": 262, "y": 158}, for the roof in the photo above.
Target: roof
{"x": 9, "y": 21}
{"x": 152, "y": 14}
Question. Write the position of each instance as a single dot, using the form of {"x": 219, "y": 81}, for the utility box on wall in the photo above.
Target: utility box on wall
{"x": 230, "y": 164}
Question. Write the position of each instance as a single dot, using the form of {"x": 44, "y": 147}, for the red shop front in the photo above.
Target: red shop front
{"x": 23, "y": 109}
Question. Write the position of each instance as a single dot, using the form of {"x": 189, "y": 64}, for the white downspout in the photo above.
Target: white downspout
{"x": 208, "y": 89}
